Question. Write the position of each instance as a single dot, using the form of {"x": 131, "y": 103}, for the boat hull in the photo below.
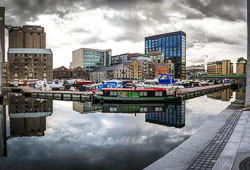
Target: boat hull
{"x": 106, "y": 99}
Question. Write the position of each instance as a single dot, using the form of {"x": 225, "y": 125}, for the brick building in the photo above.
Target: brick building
{"x": 30, "y": 63}
{"x": 79, "y": 73}
{"x": 61, "y": 73}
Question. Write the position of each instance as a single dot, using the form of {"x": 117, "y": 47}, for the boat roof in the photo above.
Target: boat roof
{"x": 132, "y": 89}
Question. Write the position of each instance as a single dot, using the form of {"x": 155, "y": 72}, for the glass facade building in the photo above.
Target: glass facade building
{"x": 90, "y": 59}
{"x": 173, "y": 46}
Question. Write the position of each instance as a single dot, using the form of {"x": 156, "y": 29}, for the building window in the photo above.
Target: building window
{"x": 113, "y": 109}
{"x": 113, "y": 93}
{"x": 143, "y": 93}
{"x": 158, "y": 93}
{"x": 143, "y": 109}
{"x": 158, "y": 109}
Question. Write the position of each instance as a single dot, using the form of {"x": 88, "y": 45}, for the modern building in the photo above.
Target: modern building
{"x": 2, "y": 31}
{"x": 169, "y": 115}
{"x": 30, "y": 63}
{"x": 241, "y": 66}
{"x": 227, "y": 67}
{"x": 28, "y": 36}
{"x": 90, "y": 59}
{"x": 173, "y": 46}
{"x": 214, "y": 67}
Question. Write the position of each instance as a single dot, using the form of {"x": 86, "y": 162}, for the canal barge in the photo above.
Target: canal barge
{"x": 133, "y": 95}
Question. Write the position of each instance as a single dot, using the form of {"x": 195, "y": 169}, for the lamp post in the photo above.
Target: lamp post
{"x": 247, "y": 100}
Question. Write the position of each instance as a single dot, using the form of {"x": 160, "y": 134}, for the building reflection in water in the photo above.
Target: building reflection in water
{"x": 3, "y": 137}
{"x": 28, "y": 115}
{"x": 86, "y": 107}
{"x": 224, "y": 95}
{"x": 168, "y": 114}
{"x": 239, "y": 93}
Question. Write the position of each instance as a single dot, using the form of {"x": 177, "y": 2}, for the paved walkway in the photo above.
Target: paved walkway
{"x": 221, "y": 144}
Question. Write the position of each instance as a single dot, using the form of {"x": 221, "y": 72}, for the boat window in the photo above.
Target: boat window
{"x": 143, "y": 109}
{"x": 158, "y": 109}
{"x": 158, "y": 93}
{"x": 143, "y": 93}
{"x": 113, "y": 109}
{"x": 113, "y": 93}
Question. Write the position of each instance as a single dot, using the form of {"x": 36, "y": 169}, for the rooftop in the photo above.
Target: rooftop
{"x": 29, "y": 51}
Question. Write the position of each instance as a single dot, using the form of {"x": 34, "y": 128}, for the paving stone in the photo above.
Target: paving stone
{"x": 165, "y": 164}
{"x": 223, "y": 164}
{"x": 194, "y": 144}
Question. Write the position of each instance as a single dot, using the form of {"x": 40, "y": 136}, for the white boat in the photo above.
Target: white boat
{"x": 48, "y": 86}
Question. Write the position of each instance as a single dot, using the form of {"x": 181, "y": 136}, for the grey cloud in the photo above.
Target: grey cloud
{"x": 224, "y": 9}
{"x": 21, "y": 11}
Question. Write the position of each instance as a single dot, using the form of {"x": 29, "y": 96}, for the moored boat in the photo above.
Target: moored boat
{"x": 132, "y": 95}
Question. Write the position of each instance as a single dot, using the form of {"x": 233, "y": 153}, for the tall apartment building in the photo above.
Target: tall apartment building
{"x": 2, "y": 32}
{"x": 241, "y": 66}
{"x": 173, "y": 46}
{"x": 30, "y": 63}
{"x": 214, "y": 67}
{"x": 227, "y": 67}
{"x": 28, "y": 36}
{"x": 90, "y": 59}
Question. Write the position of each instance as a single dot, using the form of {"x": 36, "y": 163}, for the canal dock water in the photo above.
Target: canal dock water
{"x": 185, "y": 93}
{"x": 221, "y": 144}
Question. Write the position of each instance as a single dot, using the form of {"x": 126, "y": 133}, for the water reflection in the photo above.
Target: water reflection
{"x": 224, "y": 95}
{"x": 168, "y": 114}
{"x": 28, "y": 115}
{"x": 3, "y": 138}
{"x": 122, "y": 136}
{"x": 85, "y": 107}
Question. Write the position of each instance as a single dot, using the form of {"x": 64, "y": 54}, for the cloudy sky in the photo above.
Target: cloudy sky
{"x": 216, "y": 29}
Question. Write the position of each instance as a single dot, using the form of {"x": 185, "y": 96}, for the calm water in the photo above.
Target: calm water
{"x": 45, "y": 134}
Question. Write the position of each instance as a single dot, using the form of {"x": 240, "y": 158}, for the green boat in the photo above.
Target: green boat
{"x": 131, "y": 95}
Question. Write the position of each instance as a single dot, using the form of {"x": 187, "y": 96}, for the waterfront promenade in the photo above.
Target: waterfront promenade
{"x": 221, "y": 144}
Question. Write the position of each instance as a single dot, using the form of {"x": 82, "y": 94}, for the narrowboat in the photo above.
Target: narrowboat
{"x": 134, "y": 95}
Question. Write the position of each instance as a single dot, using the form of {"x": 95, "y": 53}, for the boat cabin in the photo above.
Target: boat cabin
{"x": 134, "y": 93}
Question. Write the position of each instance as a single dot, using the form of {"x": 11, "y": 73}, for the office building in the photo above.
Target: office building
{"x": 173, "y": 46}
{"x": 241, "y": 66}
{"x": 214, "y": 67}
{"x": 169, "y": 115}
{"x": 30, "y": 63}
{"x": 28, "y": 36}
{"x": 2, "y": 32}
{"x": 227, "y": 67}
{"x": 90, "y": 59}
